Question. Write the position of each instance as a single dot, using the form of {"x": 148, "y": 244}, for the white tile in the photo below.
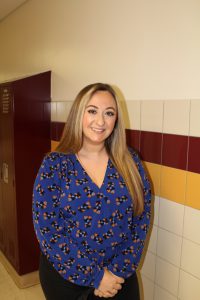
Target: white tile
{"x": 153, "y": 240}
{"x": 133, "y": 108}
{"x": 171, "y": 216}
{"x": 194, "y": 118}
{"x": 176, "y": 117}
{"x": 192, "y": 224}
{"x": 147, "y": 289}
{"x": 190, "y": 260}
{"x": 169, "y": 246}
{"x": 167, "y": 276}
{"x": 156, "y": 210}
{"x": 152, "y": 115}
{"x": 148, "y": 267}
{"x": 189, "y": 287}
{"x": 63, "y": 109}
{"x": 161, "y": 294}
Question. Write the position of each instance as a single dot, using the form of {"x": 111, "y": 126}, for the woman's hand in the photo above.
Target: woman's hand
{"x": 109, "y": 285}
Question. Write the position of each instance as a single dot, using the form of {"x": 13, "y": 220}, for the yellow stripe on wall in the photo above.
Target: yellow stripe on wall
{"x": 154, "y": 171}
{"x": 173, "y": 184}
{"x": 193, "y": 190}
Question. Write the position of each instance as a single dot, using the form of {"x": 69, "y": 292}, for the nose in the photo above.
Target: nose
{"x": 100, "y": 120}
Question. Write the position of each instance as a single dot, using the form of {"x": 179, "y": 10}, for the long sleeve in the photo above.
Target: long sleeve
{"x": 126, "y": 261}
{"x": 71, "y": 262}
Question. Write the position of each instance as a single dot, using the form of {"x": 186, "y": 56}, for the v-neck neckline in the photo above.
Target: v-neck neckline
{"x": 89, "y": 177}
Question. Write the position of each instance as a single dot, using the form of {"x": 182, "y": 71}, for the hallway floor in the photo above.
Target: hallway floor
{"x": 10, "y": 291}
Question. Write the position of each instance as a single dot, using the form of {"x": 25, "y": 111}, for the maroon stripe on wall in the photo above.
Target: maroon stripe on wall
{"x": 56, "y": 130}
{"x": 167, "y": 149}
{"x": 194, "y": 154}
{"x": 174, "y": 151}
{"x": 133, "y": 139}
{"x": 150, "y": 146}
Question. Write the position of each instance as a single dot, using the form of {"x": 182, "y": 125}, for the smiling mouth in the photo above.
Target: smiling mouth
{"x": 98, "y": 130}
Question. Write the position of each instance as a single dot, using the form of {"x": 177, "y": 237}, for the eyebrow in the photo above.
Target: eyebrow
{"x": 94, "y": 106}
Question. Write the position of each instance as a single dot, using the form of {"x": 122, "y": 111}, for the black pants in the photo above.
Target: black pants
{"x": 57, "y": 288}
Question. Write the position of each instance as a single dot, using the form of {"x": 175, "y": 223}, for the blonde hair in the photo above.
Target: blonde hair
{"x": 72, "y": 139}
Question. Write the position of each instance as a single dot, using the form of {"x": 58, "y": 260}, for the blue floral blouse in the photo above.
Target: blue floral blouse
{"x": 82, "y": 228}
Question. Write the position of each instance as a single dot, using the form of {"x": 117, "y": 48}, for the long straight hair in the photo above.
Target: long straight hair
{"x": 72, "y": 140}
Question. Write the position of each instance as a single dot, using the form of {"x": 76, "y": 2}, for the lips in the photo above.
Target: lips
{"x": 97, "y": 130}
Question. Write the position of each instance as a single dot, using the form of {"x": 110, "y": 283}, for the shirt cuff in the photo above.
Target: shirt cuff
{"x": 98, "y": 279}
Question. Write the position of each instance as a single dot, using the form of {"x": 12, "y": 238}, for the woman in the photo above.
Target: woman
{"x": 91, "y": 207}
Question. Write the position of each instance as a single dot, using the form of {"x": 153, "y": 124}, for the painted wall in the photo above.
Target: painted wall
{"x": 150, "y": 50}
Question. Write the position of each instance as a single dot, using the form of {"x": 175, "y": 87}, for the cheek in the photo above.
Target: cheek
{"x": 86, "y": 120}
{"x": 112, "y": 123}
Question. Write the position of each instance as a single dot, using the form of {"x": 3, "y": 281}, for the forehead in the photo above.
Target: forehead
{"x": 102, "y": 99}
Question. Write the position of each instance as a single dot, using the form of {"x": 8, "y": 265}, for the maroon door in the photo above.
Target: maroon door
{"x": 24, "y": 140}
{"x": 8, "y": 204}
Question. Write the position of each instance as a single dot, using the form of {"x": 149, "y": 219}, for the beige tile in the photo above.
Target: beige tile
{"x": 10, "y": 291}
{"x": 176, "y": 117}
{"x": 189, "y": 287}
{"x": 194, "y": 118}
{"x": 32, "y": 293}
{"x": 156, "y": 210}
{"x": 171, "y": 216}
{"x": 167, "y": 276}
{"x": 6, "y": 291}
{"x": 153, "y": 240}
{"x": 133, "y": 108}
{"x": 161, "y": 294}
{"x": 63, "y": 109}
{"x": 169, "y": 246}
{"x": 148, "y": 268}
{"x": 152, "y": 115}
{"x": 192, "y": 224}
{"x": 148, "y": 288}
{"x": 190, "y": 260}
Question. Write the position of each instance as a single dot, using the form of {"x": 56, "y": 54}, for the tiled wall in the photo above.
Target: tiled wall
{"x": 169, "y": 142}
{"x": 167, "y": 135}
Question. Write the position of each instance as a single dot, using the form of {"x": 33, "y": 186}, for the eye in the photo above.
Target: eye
{"x": 92, "y": 111}
{"x": 110, "y": 113}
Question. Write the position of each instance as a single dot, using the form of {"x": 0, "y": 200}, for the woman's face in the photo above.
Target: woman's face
{"x": 99, "y": 118}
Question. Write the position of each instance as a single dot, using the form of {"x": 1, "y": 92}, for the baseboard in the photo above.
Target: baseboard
{"x": 22, "y": 281}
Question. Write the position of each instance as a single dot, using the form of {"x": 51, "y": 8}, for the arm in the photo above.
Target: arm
{"x": 72, "y": 263}
{"x": 126, "y": 262}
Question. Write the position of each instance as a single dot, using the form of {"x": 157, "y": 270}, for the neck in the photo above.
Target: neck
{"x": 92, "y": 149}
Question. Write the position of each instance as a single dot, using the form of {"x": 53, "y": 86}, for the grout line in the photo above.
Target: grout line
{"x": 172, "y": 264}
{"x": 185, "y": 195}
{"x": 178, "y": 235}
{"x": 156, "y": 284}
{"x": 159, "y": 191}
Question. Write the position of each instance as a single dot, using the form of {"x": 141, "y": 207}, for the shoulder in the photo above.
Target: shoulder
{"x": 56, "y": 160}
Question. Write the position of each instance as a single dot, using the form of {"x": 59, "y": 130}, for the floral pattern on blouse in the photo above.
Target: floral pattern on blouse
{"x": 83, "y": 228}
